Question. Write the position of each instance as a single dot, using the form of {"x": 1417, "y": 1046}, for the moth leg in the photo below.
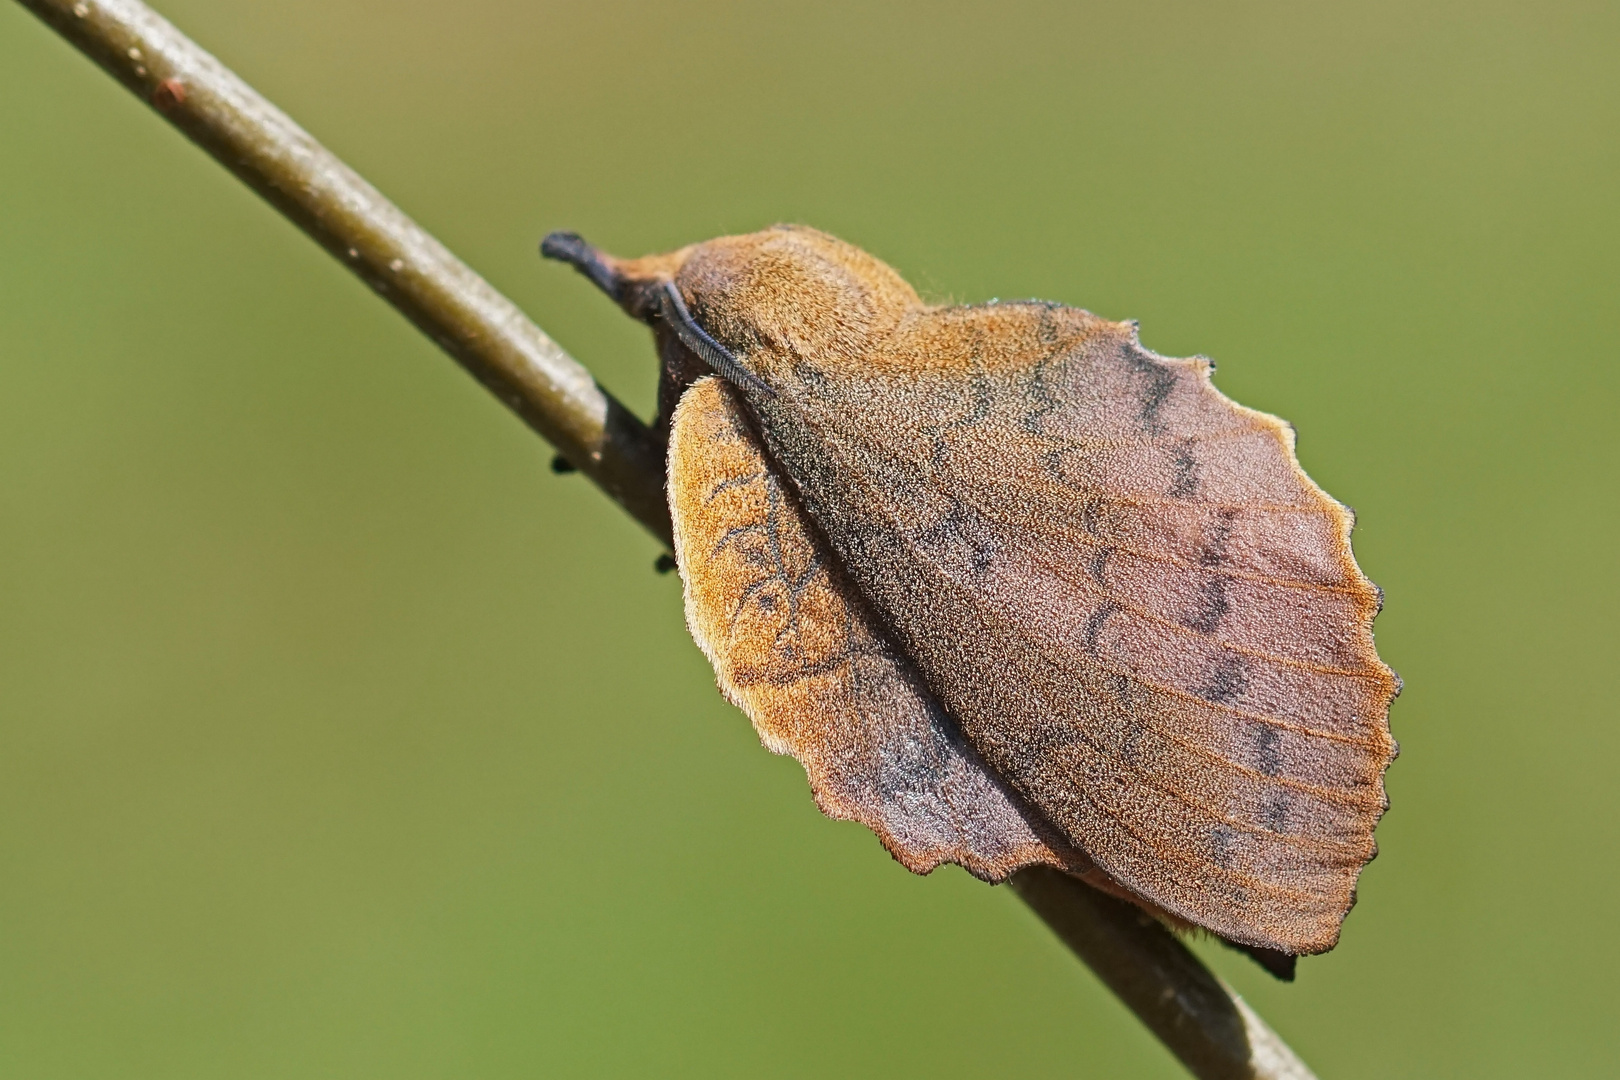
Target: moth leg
{"x": 1277, "y": 963}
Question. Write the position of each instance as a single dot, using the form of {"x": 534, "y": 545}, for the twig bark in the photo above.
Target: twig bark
{"x": 481, "y": 329}
{"x": 1194, "y": 1013}
{"x": 1197, "y": 1016}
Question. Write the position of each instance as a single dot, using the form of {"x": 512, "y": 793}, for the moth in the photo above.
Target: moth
{"x": 1014, "y": 589}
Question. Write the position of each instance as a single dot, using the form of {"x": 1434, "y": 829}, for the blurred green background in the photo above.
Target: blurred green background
{"x": 340, "y": 738}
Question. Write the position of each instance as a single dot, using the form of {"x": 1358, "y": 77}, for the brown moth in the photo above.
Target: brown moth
{"x": 1016, "y": 590}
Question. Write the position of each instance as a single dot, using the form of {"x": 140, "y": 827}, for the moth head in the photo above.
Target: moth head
{"x": 767, "y": 302}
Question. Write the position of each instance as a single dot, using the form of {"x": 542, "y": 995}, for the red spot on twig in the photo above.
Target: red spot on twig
{"x": 169, "y": 93}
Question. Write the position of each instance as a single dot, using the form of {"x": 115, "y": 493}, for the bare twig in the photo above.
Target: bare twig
{"x": 1197, "y": 1016}
{"x": 483, "y": 330}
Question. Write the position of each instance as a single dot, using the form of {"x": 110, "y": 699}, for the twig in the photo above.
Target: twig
{"x": 1197, "y": 1016}
{"x": 481, "y": 329}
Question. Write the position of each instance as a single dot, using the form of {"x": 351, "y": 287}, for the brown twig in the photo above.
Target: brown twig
{"x": 481, "y": 329}
{"x": 1197, "y": 1016}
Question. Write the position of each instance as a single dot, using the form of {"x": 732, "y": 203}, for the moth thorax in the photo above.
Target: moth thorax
{"x": 792, "y": 295}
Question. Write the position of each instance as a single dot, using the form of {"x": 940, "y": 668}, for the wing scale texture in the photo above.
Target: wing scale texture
{"x": 1142, "y": 612}
{"x": 1016, "y": 589}
{"x": 795, "y": 648}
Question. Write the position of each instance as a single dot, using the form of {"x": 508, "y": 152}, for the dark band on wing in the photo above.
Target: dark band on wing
{"x": 1159, "y": 382}
{"x": 1212, "y": 607}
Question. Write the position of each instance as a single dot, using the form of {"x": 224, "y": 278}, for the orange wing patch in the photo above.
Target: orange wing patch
{"x": 794, "y": 647}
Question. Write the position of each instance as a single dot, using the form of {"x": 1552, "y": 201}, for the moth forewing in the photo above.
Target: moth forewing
{"x": 794, "y": 647}
{"x": 1066, "y": 568}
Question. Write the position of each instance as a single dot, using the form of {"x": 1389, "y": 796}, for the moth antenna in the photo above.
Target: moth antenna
{"x": 710, "y": 351}
{"x": 572, "y": 249}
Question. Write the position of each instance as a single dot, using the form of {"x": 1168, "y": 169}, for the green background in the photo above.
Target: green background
{"x": 339, "y": 738}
